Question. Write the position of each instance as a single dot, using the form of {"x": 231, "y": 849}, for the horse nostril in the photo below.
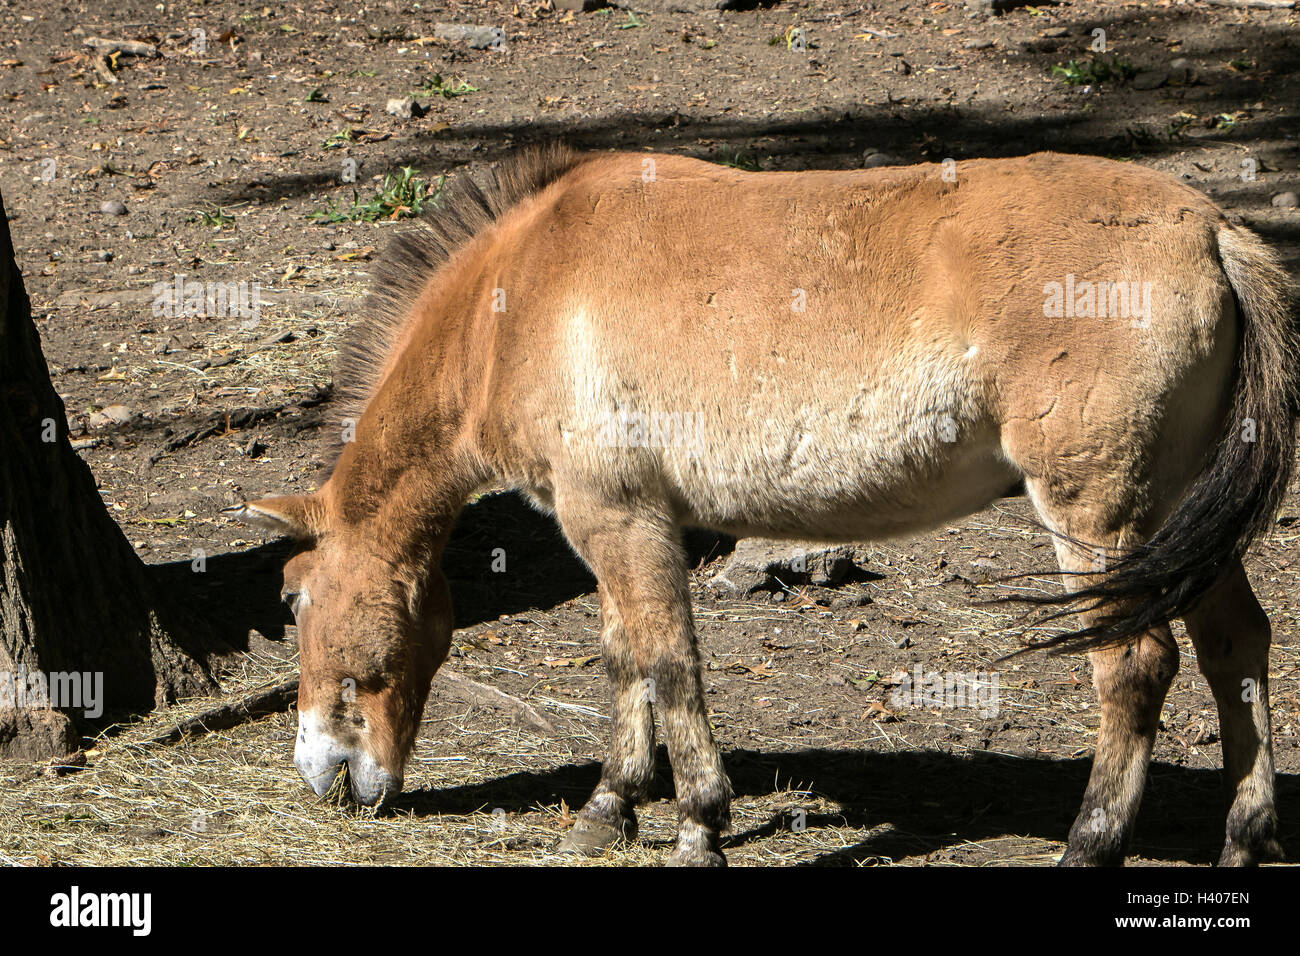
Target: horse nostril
{"x": 318, "y": 761}
{"x": 372, "y": 785}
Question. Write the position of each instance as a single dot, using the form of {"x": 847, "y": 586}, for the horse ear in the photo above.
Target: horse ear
{"x": 297, "y": 516}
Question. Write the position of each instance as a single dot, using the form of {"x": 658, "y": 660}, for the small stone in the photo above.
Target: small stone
{"x": 476, "y": 38}
{"x": 759, "y": 564}
{"x": 112, "y": 415}
{"x": 903, "y": 644}
{"x": 31, "y": 119}
{"x": 1286, "y": 200}
{"x": 403, "y": 107}
{"x": 113, "y": 207}
{"x": 104, "y": 255}
{"x": 871, "y": 159}
{"x": 1055, "y": 33}
{"x": 580, "y": 6}
{"x": 977, "y": 44}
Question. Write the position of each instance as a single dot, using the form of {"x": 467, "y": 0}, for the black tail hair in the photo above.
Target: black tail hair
{"x": 1234, "y": 498}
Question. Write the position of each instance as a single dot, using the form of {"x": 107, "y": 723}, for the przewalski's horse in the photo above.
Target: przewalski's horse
{"x": 827, "y": 355}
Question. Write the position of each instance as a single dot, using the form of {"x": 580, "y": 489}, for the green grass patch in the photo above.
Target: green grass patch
{"x": 403, "y": 195}
{"x": 437, "y": 86}
{"x": 1094, "y": 69}
{"x": 214, "y": 216}
{"x": 738, "y": 160}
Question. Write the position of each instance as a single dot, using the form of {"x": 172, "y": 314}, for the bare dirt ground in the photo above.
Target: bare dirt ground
{"x": 223, "y": 147}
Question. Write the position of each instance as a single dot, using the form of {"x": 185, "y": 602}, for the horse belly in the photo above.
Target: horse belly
{"x": 847, "y": 463}
{"x": 818, "y": 438}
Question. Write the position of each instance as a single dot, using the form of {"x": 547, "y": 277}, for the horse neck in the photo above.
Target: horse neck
{"x": 410, "y": 466}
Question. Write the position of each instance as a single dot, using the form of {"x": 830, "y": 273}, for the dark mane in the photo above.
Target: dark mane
{"x": 411, "y": 258}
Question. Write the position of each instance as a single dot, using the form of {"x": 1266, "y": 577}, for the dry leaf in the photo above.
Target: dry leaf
{"x": 878, "y": 711}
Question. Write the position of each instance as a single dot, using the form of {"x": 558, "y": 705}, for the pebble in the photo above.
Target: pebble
{"x": 112, "y": 415}
{"x": 113, "y": 207}
{"x": 1287, "y": 200}
{"x": 476, "y": 38}
{"x": 403, "y": 107}
{"x": 871, "y": 159}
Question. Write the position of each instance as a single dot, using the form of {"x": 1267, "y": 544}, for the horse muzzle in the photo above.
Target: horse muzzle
{"x": 319, "y": 757}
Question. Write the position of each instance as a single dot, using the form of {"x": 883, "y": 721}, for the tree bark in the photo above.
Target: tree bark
{"x": 74, "y": 597}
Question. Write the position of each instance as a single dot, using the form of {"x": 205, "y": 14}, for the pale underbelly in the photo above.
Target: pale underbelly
{"x": 859, "y": 501}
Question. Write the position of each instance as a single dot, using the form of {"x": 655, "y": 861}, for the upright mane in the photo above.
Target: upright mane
{"x": 412, "y": 257}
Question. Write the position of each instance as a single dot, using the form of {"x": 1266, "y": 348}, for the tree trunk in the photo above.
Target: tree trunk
{"x": 78, "y": 610}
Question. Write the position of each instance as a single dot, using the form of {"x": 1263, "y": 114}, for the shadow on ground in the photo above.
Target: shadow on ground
{"x": 835, "y": 139}
{"x": 240, "y": 591}
{"x": 931, "y": 801}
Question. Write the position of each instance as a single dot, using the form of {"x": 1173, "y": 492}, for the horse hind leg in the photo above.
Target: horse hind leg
{"x": 1231, "y": 635}
{"x": 1131, "y": 680}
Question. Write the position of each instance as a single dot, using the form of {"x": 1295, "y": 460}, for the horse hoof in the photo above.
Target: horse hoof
{"x": 589, "y": 838}
{"x": 696, "y": 858}
{"x": 1267, "y": 851}
{"x": 1073, "y": 857}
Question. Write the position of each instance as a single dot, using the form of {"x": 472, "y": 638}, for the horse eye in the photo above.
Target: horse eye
{"x": 291, "y": 598}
